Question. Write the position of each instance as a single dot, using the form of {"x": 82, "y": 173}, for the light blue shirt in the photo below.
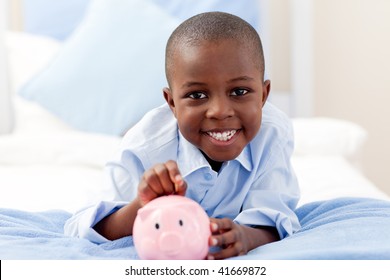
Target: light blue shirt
{"x": 259, "y": 187}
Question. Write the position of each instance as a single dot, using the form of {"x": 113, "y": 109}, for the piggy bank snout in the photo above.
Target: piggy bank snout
{"x": 171, "y": 242}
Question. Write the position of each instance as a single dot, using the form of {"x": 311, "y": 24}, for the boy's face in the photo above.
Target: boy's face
{"x": 217, "y": 95}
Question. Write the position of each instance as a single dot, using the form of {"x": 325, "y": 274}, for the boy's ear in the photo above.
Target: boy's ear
{"x": 266, "y": 91}
{"x": 169, "y": 99}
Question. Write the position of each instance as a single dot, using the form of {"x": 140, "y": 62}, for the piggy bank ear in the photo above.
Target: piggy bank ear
{"x": 145, "y": 212}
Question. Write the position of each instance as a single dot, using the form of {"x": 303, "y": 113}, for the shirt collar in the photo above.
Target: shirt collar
{"x": 190, "y": 158}
{"x": 245, "y": 158}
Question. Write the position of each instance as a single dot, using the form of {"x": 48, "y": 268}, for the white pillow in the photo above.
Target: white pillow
{"x": 110, "y": 71}
{"x": 327, "y": 136}
{"x": 27, "y": 55}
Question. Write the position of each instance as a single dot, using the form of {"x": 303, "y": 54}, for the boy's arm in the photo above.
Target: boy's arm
{"x": 236, "y": 240}
{"x": 120, "y": 223}
{"x": 162, "y": 179}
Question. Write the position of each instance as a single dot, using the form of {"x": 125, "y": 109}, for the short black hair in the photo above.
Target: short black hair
{"x": 213, "y": 26}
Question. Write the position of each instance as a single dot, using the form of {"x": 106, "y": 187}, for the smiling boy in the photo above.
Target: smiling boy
{"x": 216, "y": 141}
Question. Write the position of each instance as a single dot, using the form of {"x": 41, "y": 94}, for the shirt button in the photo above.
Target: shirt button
{"x": 208, "y": 176}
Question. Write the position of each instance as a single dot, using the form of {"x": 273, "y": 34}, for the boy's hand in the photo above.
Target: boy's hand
{"x": 237, "y": 240}
{"x": 162, "y": 179}
{"x": 229, "y": 236}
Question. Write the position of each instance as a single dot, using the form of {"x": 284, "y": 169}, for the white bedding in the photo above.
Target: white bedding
{"x": 45, "y": 164}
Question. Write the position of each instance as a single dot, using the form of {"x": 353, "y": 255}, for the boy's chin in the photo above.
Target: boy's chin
{"x": 222, "y": 157}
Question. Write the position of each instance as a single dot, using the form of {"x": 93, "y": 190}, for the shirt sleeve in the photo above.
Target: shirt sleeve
{"x": 123, "y": 172}
{"x": 81, "y": 224}
{"x": 119, "y": 189}
{"x": 273, "y": 196}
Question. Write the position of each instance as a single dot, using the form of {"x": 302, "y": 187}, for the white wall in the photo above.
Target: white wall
{"x": 350, "y": 67}
{"x": 352, "y": 73}
{"x": 5, "y": 108}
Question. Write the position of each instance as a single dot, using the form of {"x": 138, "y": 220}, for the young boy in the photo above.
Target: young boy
{"x": 206, "y": 143}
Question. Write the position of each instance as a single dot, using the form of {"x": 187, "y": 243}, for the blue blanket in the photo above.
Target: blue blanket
{"x": 344, "y": 228}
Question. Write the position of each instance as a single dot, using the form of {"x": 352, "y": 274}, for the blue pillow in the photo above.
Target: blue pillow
{"x": 110, "y": 71}
{"x": 248, "y": 10}
{"x": 51, "y": 18}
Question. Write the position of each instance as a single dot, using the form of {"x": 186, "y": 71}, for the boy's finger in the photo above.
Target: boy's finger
{"x": 164, "y": 178}
{"x": 173, "y": 169}
{"x": 174, "y": 173}
{"x": 224, "y": 224}
{"x": 213, "y": 225}
{"x": 228, "y": 252}
{"x": 150, "y": 180}
{"x": 180, "y": 185}
{"x": 145, "y": 193}
{"x": 224, "y": 239}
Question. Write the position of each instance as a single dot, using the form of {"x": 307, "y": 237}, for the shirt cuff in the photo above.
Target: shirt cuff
{"x": 82, "y": 223}
{"x": 285, "y": 224}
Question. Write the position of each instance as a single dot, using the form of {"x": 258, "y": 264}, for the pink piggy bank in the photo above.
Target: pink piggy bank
{"x": 171, "y": 227}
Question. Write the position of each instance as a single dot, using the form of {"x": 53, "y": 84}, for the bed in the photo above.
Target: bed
{"x": 51, "y": 163}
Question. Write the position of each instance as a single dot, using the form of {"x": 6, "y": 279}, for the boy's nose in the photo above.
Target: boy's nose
{"x": 219, "y": 108}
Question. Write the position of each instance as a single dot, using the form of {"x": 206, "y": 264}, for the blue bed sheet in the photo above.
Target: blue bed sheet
{"x": 344, "y": 228}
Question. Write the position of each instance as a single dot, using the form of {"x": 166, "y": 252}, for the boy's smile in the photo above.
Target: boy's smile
{"x": 222, "y": 136}
{"x": 216, "y": 94}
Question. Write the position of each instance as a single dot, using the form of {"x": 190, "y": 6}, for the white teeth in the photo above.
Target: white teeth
{"x": 222, "y": 136}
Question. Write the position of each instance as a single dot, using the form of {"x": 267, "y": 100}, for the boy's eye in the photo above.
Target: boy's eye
{"x": 239, "y": 92}
{"x": 197, "y": 95}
